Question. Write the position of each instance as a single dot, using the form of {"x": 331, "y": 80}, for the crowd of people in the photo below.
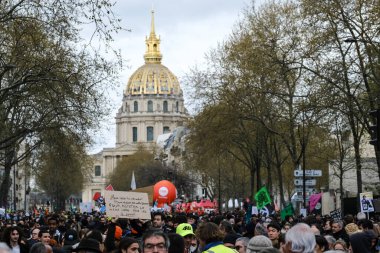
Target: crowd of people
{"x": 231, "y": 232}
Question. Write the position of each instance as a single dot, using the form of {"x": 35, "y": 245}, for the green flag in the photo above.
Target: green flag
{"x": 262, "y": 198}
{"x": 288, "y": 210}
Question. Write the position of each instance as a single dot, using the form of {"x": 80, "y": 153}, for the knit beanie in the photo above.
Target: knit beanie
{"x": 258, "y": 243}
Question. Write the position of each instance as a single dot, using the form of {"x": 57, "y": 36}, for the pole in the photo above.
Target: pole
{"x": 14, "y": 187}
{"x": 303, "y": 161}
{"x": 219, "y": 192}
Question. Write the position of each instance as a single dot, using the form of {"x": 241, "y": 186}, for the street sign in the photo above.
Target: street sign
{"x": 308, "y": 173}
{"x": 309, "y": 182}
{"x": 300, "y": 198}
{"x": 308, "y": 189}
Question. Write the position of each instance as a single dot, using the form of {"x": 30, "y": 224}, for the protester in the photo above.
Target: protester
{"x": 299, "y": 239}
{"x": 338, "y": 231}
{"x": 363, "y": 242}
{"x": 274, "y": 232}
{"x": 155, "y": 241}
{"x": 258, "y": 243}
{"x": 241, "y": 244}
{"x": 340, "y": 245}
{"x": 186, "y": 231}
{"x": 210, "y": 238}
{"x": 128, "y": 245}
{"x": 12, "y": 237}
{"x": 321, "y": 244}
{"x": 177, "y": 243}
{"x": 88, "y": 245}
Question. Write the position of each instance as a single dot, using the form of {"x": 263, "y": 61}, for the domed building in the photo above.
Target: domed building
{"x": 152, "y": 105}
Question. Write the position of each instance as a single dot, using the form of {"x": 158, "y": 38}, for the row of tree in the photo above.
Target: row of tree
{"x": 53, "y": 87}
{"x": 292, "y": 76}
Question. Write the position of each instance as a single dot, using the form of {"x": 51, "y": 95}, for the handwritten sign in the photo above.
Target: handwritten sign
{"x": 132, "y": 205}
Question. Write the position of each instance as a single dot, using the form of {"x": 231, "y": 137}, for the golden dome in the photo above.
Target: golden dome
{"x": 153, "y": 77}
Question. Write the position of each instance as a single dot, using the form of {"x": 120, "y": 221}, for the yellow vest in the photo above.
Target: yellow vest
{"x": 220, "y": 249}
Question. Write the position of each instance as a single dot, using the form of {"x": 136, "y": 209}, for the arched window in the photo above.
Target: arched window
{"x": 134, "y": 134}
{"x": 166, "y": 129}
{"x": 150, "y": 106}
{"x": 176, "y": 107}
{"x": 165, "y": 106}
{"x": 149, "y": 134}
{"x": 135, "y": 106}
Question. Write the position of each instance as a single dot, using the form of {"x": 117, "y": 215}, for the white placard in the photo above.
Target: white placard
{"x": 85, "y": 207}
{"x": 132, "y": 205}
{"x": 366, "y": 204}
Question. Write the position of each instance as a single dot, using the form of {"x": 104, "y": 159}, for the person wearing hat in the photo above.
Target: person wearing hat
{"x": 258, "y": 242}
{"x": 88, "y": 245}
{"x": 186, "y": 231}
{"x": 69, "y": 239}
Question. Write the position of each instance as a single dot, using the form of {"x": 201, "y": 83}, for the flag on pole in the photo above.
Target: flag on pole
{"x": 262, "y": 197}
{"x": 287, "y": 211}
{"x": 109, "y": 188}
{"x": 133, "y": 181}
{"x": 314, "y": 200}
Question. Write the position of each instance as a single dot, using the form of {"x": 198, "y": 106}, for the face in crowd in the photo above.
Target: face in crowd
{"x": 273, "y": 233}
{"x": 45, "y": 237}
{"x": 14, "y": 236}
{"x": 335, "y": 227}
{"x": 155, "y": 244}
{"x": 157, "y": 221}
{"x": 240, "y": 247}
{"x": 35, "y": 233}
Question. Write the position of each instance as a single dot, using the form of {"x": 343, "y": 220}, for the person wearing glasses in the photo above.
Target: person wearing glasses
{"x": 241, "y": 244}
{"x": 155, "y": 241}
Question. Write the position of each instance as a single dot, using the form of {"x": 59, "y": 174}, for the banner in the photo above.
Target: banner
{"x": 315, "y": 202}
{"x": 132, "y": 205}
{"x": 366, "y": 204}
{"x": 287, "y": 211}
{"x": 262, "y": 197}
{"x": 85, "y": 207}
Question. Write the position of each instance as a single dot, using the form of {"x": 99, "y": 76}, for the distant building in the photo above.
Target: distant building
{"x": 370, "y": 178}
{"x": 152, "y": 105}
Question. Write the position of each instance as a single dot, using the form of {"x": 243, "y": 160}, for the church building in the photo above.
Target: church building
{"x": 152, "y": 105}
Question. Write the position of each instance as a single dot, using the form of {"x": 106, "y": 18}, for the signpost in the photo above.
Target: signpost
{"x": 305, "y": 184}
{"x": 309, "y": 182}
{"x": 308, "y": 173}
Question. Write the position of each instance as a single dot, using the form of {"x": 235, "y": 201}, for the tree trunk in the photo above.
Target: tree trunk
{"x": 6, "y": 182}
{"x": 358, "y": 164}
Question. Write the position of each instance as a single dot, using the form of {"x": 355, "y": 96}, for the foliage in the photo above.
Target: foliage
{"x": 59, "y": 166}
{"x": 49, "y": 78}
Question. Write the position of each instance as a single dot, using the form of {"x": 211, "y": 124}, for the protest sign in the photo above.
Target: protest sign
{"x": 85, "y": 207}
{"x": 336, "y": 214}
{"x": 366, "y": 202}
{"x": 132, "y": 205}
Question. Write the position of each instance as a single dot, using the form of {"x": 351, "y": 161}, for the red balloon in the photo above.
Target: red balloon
{"x": 164, "y": 192}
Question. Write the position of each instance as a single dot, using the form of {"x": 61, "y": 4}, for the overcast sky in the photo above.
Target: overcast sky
{"x": 188, "y": 29}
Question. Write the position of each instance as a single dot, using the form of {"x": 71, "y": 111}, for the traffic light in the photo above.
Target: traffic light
{"x": 375, "y": 129}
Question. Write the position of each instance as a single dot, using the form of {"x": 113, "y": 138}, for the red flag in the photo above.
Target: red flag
{"x": 109, "y": 188}
{"x": 97, "y": 195}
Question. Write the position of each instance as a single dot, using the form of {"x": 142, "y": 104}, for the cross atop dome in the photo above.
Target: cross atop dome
{"x": 152, "y": 54}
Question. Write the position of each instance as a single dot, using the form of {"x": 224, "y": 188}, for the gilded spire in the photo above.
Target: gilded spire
{"x": 152, "y": 54}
